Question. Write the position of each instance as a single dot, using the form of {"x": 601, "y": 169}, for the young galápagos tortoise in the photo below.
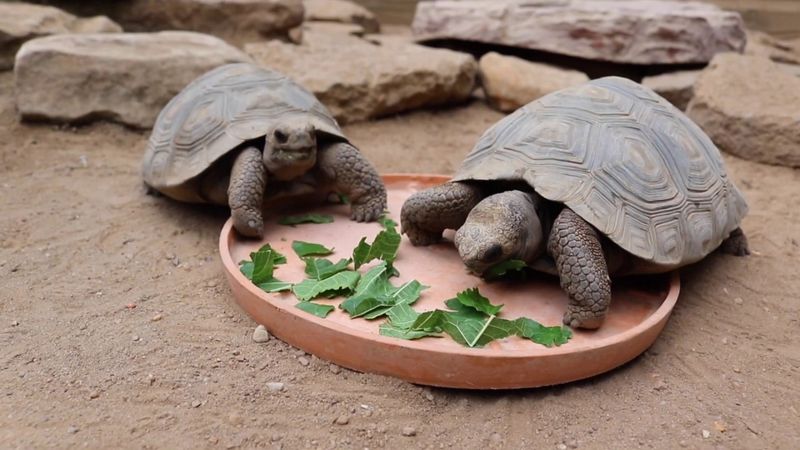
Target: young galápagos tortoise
{"x": 240, "y": 133}
{"x": 548, "y": 184}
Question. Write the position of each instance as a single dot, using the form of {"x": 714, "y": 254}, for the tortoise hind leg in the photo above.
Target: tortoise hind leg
{"x": 736, "y": 244}
{"x": 246, "y": 192}
{"x": 575, "y": 247}
{"x": 426, "y": 214}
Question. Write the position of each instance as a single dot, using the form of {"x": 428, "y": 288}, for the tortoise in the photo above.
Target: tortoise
{"x": 240, "y": 135}
{"x": 604, "y": 178}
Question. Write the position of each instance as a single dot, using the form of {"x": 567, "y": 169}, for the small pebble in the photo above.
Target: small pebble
{"x": 737, "y": 370}
{"x": 235, "y": 419}
{"x": 15, "y": 323}
{"x": 738, "y": 300}
{"x": 94, "y": 394}
{"x": 706, "y": 434}
{"x": 428, "y": 395}
{"x": 72, "y": 430}
{"x": 335, "y": 369}
{"x": 212, "y": 284}
{"x": 196, "y": 404}
{"x": 562, "y": 446}
{"x": 135, "y": 339}
{"x": 213, "y": 440}
{"x": 157, "y": 317}
{"x": 275, "y": 386}
{"x": 260, "y": 334}
{"x": 572, "y": 444}
{"x": 683, "y": 444}
{"x": 660, "y": 385}
{"x": 303, "y": 361}
{"x": 151, "y": 378}
{"x": 342, "y": 420}
{"x": 409, "y": 431}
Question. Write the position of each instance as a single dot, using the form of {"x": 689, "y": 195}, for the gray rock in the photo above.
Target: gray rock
{"x": 749, "y": 107}
{"x": 21, "y": 22}
{"x": 677, "y": 87}
{"x": 125, "y": 77}
{"x": 638, "y": 32}
{"x": 236, "y": 21}
{"x": 358, "y": 80}
{"x": 409, "y": 431}
{"x": 341, "y": 11}
{"x": 510, "y": 82}
{"x": 260, "y": 335}
{"x": 275, "y": 386}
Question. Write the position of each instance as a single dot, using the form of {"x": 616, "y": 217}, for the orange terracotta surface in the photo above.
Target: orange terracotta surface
{"x": 639, "y": 310}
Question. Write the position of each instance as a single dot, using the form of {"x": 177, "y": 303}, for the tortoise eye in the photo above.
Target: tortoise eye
{"x": 281, "y": 137}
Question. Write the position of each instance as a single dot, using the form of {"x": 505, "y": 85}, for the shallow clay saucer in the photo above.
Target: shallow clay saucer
{"x": 639, "y": 310}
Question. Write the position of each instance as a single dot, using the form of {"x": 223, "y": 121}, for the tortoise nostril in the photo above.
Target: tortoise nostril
{"x": 281, "y": 136}
{"x": 493, "y": 253}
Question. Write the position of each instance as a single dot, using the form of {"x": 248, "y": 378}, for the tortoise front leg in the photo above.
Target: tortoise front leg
{"x": 353, "y": 175}
{"x": 426, "y": 214}
{"x": 246, "y": 192}
{"x": 576, "y": 249}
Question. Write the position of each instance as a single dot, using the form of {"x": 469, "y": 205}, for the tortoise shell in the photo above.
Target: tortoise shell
{"x": 625, "y": 160}
{"x": 216, "y": 113}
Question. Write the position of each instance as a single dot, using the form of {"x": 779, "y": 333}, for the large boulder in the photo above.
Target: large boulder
{"x": 749, "y": 107}
{"x": 676, "y": 87}
{"x": 125, "y": 77}
{"x": 21, "y": 22}
{"x": 637, "y": 32}
{"x": 341, "y": 11}
{"x": 236, "y": 21}
{"x": 358, "y": 80}
{"x": 510, "y": 82}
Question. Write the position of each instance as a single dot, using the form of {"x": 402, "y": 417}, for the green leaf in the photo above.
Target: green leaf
{"x": 429, "y": 321}
{"x": 315, "y": 308}
{"x": 501, "y": 269}
{"x": 474, "y": 332}
{"x": 547, "y": 336}
{"x": 304, "y": 249}
{"x": 387, "y": 222}
{"x": 402, "y": 315}
{"x": 374, "y": 281}
{"x": 384, "y": 247}
{"x": 408, "y": 293}
{"x": 275, "y": 285}
{"x": 263, "y": 266}
{"x": 474, "y": 299}
{"x": 305, "y": 218}
{"x": 320, "y": 268}
{"x": 308, "y": 289}
{"x": 359, "y": 306}
{"x": 371, "y": 292}
{"x": 387, "y": 329}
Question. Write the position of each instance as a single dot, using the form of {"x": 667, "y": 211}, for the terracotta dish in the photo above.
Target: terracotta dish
{"x": 639, "y": 310}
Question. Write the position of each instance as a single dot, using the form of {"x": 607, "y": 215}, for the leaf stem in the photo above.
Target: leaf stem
{"x": 480, "y": 333}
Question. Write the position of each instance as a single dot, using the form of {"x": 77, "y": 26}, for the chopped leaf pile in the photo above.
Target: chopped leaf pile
{"x": 471, "y": 319}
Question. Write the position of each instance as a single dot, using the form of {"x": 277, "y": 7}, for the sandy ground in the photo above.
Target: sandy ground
{"x": 80, "y": 240}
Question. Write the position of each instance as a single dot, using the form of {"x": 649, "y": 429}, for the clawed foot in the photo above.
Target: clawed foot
{"x": 368, "y": 209}
{"x": 248, "y": 222}
{"x": 588, "y": 320}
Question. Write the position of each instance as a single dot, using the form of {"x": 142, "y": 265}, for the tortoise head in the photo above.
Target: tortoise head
{"x": 500, "y": 227}
{"x": 290, "y": 150}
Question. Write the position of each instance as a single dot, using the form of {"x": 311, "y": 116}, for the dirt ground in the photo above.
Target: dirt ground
{"x": 80, "y": 240}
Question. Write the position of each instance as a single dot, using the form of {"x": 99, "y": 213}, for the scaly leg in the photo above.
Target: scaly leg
{"x": 246, "y": 192}
{"x": 575, "y": 247}
{"x": 354, "y": 176}
{"x": 426, "y": 214}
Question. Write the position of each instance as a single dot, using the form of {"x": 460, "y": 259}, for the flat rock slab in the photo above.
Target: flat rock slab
{"x": 359, "y": 80}
{"x": 341, "y": 11}
{"x": 633, "y": 32}
{"x": 21, "y": 22}
{"x": 236, "y": 21}
{"x": 676, "y": 87}
{"x": 510, "y": 82}
{"x": 125, "y": 78}
{"x": 749, "y": 107}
